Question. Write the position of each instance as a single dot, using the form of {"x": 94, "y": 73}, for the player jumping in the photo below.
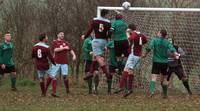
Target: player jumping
{"x": 101, "y": 27}
{"x": 121, "y": 44}
{"x": 136, "y": 40}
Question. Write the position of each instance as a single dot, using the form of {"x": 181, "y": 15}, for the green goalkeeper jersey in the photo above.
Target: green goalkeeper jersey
{"x": 6, "y": 52}
{"x": 161, "y": 48}
{"x": 111, "y": 56}
{"x": 119, "y": 27}
{"x": 87, "y": 48}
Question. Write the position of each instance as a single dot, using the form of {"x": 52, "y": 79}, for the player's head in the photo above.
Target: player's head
{"x": 61, "y": 35}
{"x": 7, "y": 37}
{"x": 118, "y": 16}
{"x": 43, "y": 37}
{"x": 162, "y": 33}
{"x": 132, "y": 27}
{"x": 104, "y": 12}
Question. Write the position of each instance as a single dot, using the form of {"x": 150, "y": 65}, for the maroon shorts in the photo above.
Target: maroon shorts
{"x": 121, "y": 47}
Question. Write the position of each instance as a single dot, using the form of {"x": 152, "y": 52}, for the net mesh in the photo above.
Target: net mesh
{"x": 183, "y": 27}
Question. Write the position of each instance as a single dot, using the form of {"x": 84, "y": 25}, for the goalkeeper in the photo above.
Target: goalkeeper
{"x": 175, "y": 66}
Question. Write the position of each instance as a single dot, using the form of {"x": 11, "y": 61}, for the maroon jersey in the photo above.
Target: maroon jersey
{"x": 41, "y": 54}
{"x": 100, "y": 26}
{"x": 137, "y": 40}
{"x": 60, "y": 57}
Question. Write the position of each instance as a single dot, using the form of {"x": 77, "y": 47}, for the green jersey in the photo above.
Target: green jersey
{"x": 161, "y": 48}
{"x": 6, "y": 52}
{"x": 119, "y": 27}
{"x": 87, "y": 48}
{"x": 111, "y": 56}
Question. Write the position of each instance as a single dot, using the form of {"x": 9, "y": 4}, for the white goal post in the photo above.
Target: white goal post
{"x": 182, "y": 24}
{"x": 99, "y": 8}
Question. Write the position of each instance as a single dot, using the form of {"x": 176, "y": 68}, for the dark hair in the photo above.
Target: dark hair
{"x": 104, "y": 12}
{"x": 118, "y": 16}
{"x": 42, "y": 36}
{"x": 163, "y": 33}
{"x": 132, "y": 26}
{"x": 59, "y": 32}
{"x": 7, "y": 32}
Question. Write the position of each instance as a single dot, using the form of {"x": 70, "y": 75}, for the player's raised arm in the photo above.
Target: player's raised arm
{"x": 87, "y": 34}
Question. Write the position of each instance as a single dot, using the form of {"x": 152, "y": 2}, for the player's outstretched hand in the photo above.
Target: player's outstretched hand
{"x": 3, "y": 66}
{"x": 177, "y": 55}
{"x": 91, "y": 53}
{"x": 82, "y": 37}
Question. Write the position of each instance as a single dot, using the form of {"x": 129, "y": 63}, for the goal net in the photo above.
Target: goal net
{"x": 182, "y": 24}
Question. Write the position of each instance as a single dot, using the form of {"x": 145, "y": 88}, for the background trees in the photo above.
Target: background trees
{"x": 27, "y": 18}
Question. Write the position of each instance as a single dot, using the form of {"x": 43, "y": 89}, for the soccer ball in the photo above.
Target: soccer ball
{"x": 126, "y": 5}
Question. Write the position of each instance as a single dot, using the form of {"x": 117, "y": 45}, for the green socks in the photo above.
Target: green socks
{"x": 152, "y": 86}
{"x": 164, "y": 87}
{"x": 13, "y": 82}
{"x": 90, "y": 85}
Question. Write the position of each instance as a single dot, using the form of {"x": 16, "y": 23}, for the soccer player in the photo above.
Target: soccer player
{"x": 160, "y": 47}
{"x": 112, "y": 61}
{"x": 121, "y": 44}
{"x": 101, "y": 27}
{"x": 41, "y": 54}
{"x": 175, "y": 66}
{"x": 60, "y": 48}
{"x": 136, "y": 40}
{"x": 88, "y": 58}
{"x": 6, "y": 60}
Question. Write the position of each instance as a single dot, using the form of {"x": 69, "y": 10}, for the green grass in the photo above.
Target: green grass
{"x": 28, "y": 99}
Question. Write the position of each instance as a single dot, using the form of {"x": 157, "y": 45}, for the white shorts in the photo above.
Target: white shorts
{"x": 55, "y": 68}
{"x": 133, "y": 62}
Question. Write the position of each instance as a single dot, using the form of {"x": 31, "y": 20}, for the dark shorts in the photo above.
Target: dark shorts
{"x": 88, "y": 64}
{"x": 177, "y": 70}
{"x": 121, "y": 47}
{"x": 8, "y": 69}
{"x": 159, "y": 68}
{"x": 112, "y": 69}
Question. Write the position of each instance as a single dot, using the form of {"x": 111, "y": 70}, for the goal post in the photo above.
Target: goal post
{"x": 182, "y": 24}
{"x": 99, "y": 8}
